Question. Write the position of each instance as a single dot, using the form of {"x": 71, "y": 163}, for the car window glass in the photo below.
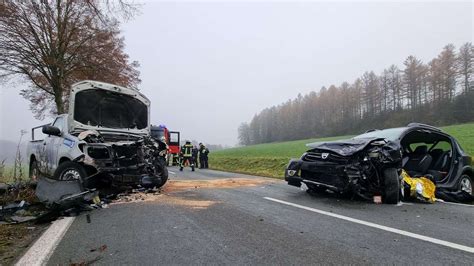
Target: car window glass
{"x": 59, "y": 123}
{"x": 174, "y": 137}
{"x": 413, "y": 146}
{"x": 443, "y": 145}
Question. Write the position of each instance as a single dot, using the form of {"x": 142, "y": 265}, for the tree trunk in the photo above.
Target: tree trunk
{"x": 58, "y": 99}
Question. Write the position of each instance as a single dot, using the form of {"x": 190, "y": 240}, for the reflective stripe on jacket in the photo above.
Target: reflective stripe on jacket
{"x": 187, "y": 150}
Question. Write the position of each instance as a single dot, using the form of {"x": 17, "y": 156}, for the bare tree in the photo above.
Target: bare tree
{"x": 413, "y": 80}
{"x": 448, "y": 71}
{"x": 370, "y": 93}
{"x": 465, "y": 65}
{"x": 51, "y": 44}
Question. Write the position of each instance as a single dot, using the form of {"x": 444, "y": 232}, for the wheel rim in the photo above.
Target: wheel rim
{"x": 466, "y": 185}
{"x": 71, "y": 174}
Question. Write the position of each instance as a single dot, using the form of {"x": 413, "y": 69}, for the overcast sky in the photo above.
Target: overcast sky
{"x": 208, "y": 66}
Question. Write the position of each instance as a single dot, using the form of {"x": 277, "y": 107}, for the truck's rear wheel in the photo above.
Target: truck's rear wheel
{"x": 391, "y": 186}
{"x": 34, "y": 170}
{"x": 68, "y": 171}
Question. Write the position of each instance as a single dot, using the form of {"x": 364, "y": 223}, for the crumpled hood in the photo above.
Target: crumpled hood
{"x": 343, "y": 147}
{"x": 107, "y": 107}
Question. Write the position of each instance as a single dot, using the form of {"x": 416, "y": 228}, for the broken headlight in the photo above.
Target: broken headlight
{"x": 98, "y": 152}
{"x": 291, "y": 172}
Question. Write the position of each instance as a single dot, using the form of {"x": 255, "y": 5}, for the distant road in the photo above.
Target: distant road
{"x": 253, "y": 220}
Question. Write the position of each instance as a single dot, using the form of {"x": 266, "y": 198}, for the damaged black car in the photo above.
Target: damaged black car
{"x": 370, "y": 164}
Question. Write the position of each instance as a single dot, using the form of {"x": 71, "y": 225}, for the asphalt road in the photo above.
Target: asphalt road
{"x": 232, "y": 222}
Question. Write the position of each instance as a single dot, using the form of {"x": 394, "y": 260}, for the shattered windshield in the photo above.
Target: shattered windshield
{"x": 104, "y": 108}
{"x": 390, "y": 134}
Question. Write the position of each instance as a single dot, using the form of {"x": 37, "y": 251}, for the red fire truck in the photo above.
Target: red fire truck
{"x": 171, "y": 138}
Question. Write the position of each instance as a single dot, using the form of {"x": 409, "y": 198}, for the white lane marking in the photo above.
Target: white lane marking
{"x": 171, "y": 172}
{"x": 381, "y": 227}
{"x": 43, "y": 248}
{"x": 458, "y": 204}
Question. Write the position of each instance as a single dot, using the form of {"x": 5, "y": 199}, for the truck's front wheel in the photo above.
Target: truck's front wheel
{"x": 70, "y": 171}
{"x": 163, "y": 176}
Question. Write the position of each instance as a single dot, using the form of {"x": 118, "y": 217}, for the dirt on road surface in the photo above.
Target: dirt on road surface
{"x": 167, "y": 193}
{"x": 176, "y": 185}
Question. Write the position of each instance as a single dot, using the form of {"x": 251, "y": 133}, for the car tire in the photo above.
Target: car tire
{"x": 68, "y": 171}
{"x": 465, "y": 184}
{"x": 163, "y": 177}
{"x": 391, "y": 186}
{"x": 34, "y": 170}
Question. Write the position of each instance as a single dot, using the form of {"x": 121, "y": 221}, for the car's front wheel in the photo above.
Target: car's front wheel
{"x": 391, "y": 186}
{"x": 68, "y": 171}
{"x": 465, "y": 184}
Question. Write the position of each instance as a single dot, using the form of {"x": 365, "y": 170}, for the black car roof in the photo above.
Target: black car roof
{"x": 411, "y": 125}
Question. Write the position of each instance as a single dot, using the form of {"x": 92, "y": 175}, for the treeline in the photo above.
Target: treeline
{"x": 438, "y": 92}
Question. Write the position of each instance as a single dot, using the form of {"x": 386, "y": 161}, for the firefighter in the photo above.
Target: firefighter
{"x": 203, "y": 156}
{"x": 186, "y": 155}
{"x": 195, "y": 156}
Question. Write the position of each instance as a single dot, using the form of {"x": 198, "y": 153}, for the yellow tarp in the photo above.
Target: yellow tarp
{"x": 420, "y": 187}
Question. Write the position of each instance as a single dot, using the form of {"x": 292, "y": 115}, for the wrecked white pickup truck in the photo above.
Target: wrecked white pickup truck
{"x": 104, "y": 139}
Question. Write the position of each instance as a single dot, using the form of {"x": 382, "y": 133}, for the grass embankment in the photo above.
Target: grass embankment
{"x": 270, "y": 159}
{"x": 7, "y": 174}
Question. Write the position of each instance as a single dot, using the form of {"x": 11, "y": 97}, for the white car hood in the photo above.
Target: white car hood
{"x": 108, "y": 108}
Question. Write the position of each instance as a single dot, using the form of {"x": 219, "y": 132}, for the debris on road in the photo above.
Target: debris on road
{"x": 136, "y": 196}
{"x": 454, "y": 196}
{"x": 62, "y": 194}
{"x": 378, "y": 199}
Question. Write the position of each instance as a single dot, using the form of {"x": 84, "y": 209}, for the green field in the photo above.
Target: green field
{"x": 270, "y": 159}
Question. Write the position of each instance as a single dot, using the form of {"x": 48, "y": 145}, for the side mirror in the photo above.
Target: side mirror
{"x": 50, "y": 130}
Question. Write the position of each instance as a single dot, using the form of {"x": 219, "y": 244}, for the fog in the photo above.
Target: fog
{"x": 209, "y": 66}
